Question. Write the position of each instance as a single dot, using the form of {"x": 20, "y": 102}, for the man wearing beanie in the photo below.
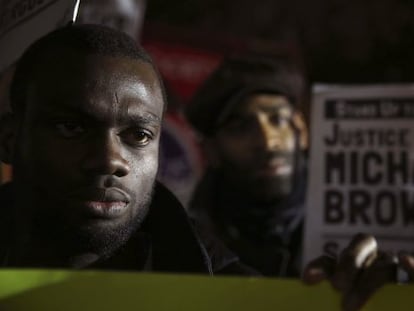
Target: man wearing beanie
{"x": 252, "y": 194}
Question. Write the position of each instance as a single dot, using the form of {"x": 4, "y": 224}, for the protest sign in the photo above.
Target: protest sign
{"x": 361, "y": 176}
{"x": 91, "y": 290}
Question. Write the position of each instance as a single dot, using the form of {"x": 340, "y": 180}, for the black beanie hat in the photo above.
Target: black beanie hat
{"x": 235, "y": 79}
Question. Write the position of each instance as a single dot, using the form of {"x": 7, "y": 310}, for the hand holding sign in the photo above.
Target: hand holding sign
{"x": 360, "y": 170}
{"x": 359, "y": 271}
{"x": 406, "y": 262}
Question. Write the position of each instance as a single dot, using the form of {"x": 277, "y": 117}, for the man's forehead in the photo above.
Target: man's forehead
{"x": 265, "y": 102}
{"x": 124, "y": 111}
{"x": 118, "y": 83}
{"x": 74, "y": 65}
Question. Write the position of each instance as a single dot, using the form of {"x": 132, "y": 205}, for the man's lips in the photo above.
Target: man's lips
{"x": 101, "y": 202}
{"x": 101, "y": 195}
{"x": 275, "y": 167}
{"x": 105, "y": 209}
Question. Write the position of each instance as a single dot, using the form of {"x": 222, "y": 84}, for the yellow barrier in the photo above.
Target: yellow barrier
{"x": 88, "y": 290}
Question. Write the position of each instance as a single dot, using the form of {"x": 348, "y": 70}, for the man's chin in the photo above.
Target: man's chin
{"x": 272, "y": 188}
{"x": 104, "y": 240}
{"x": 75, "y": 235}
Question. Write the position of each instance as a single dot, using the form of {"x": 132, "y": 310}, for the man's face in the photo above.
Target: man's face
{"x": 256, "y": 146}
{"x": 87, "y": 151}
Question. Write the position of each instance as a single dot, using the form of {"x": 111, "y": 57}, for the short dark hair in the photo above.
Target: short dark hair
{"x": 88, "y": 39}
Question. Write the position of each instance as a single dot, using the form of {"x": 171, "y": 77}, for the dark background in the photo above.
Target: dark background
{"x": 357, "y": 41}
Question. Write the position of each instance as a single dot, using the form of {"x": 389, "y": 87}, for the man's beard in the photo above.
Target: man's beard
{"x": 265, "y": 190}
{"x": 71, "y": 240}
{"x": 38, "y": 220}
{"x": 106, "y": 241}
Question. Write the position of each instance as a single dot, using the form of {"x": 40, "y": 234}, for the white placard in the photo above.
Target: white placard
{"x": 361, "y": 172}
{"x": 24, "y": 21}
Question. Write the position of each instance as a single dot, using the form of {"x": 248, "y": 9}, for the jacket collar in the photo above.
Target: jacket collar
{"x": 175, "y": 245}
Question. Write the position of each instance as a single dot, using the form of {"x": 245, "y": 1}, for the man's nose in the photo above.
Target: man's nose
{"x": 105, "y": 157}
{"x": 269, "y": 134}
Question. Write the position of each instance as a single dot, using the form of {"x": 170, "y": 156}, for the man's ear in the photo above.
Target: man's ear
{"x": 8, "y": 129}
{"x": 210, "y": 149}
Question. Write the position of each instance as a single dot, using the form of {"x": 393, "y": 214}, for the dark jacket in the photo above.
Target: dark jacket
{"x": 167, "y": 240}
{"x": 269, "y": 243}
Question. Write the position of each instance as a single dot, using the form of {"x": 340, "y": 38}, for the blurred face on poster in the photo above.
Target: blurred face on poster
{"x": 256, "y": 146}
{"x": 124, "y": 15}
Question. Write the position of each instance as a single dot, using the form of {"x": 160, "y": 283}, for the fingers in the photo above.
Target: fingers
{"x": 370, "y": 278}
{"x": 319, "y": 269}
{"x": 406, "y": 262}
{"x": 363, "y": 248}
{"x": 361, "y": 253}
{"x": 359, "y": 271}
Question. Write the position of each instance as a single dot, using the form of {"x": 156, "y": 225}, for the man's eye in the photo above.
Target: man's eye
{"x": 69, "y": 129}
{"x": 137, "y": 137}
{"x": 279, "y": 120}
